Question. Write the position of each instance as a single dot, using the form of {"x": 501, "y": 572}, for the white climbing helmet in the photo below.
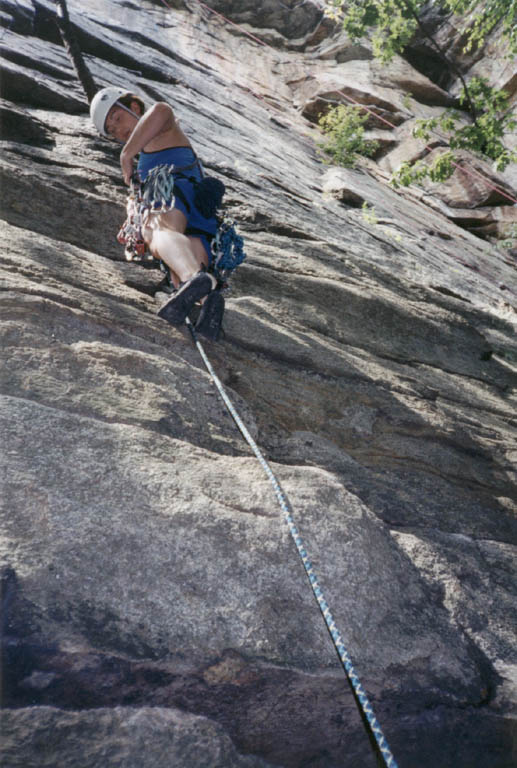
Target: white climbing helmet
{"x": 101, "y": 104}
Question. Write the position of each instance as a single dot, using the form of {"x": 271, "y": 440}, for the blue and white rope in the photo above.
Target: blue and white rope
{"x": 324, "y": 608}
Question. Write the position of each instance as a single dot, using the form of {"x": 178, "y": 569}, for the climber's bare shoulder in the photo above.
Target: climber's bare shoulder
{"x": 168, "y": 132}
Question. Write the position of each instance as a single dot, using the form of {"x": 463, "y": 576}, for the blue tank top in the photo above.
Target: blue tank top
{"x": 178, "y": 156}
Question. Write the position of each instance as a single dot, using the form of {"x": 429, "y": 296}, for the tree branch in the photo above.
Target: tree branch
{"x": 75, "y": 53}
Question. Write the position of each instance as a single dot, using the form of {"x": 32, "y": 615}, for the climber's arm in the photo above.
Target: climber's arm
{"x": 156, "y": 127}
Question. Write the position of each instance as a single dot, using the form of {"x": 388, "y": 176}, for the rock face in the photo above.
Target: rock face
{"x": 131, "y": 737}
{"x": 154, "y": 609}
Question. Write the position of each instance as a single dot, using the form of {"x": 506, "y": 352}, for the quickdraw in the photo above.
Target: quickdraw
{"x": 158, "y": 189}
{"x": 156, "y": 195}
{"x": 131, "y": 233}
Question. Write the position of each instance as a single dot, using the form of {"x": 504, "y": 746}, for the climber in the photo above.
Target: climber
{"x": 180, "y": 203}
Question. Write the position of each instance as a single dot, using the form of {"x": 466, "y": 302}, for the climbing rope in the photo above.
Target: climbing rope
{"x": 239, "y": 26}
{"x": 344, "y": 657}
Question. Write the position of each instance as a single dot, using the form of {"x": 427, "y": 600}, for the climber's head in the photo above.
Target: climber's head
{"x": 115, "y": 112}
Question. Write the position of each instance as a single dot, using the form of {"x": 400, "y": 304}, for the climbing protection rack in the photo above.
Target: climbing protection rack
{"x": 344, "y": 657}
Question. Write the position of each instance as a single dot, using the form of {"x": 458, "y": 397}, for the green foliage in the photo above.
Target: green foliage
{"x": 370, "y": 217}
{"x": 394, "y": 21}
{"x": 483, "y": 17}
{"x": 406, "y": 101}
{"x": 344, "y": 130}
{"x": 440, "y": 170}
{"x": 510, "y": 240}
{"x": 391, "y": 25}
{"x": 485, "y": 135}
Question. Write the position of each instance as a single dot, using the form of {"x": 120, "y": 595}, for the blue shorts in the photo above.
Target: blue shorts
{"x": 186, "y": 172}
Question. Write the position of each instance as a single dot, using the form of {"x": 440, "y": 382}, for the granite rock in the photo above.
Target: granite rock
{"x": 151, "y": 594}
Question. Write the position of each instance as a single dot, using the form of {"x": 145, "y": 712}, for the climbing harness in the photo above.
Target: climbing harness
{"x": 157, "y": 195}
{"x": 337, "y": 639}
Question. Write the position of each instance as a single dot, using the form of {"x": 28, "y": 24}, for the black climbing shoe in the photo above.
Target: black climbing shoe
{"x": 165, "y": 287}
{"x": 176, "y": 309}
{"x": 211, "y": 316}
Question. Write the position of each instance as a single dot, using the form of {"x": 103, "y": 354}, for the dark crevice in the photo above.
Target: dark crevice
{"x": 149, "y": 43}
{"x": 16, "y": 18}
{"x": 42, "y": 294}
{"x": 230, "y": 689}
{"x": 448, "y": 292}
{"x": 307, "y": 364}
{"x": 48, "y": 160}
{"x": 371, "y": 464}
{"x": 256, "y": 221}
{"x": 22, "y": 88}
{"x": 44, "y": 25}
{"x": 60, "y": 298}
{"x": 21, "y": 129}
{"x": 429, "y": 63}
{"x": 238, "y": 693}
{"x": 148, "y": 289}
{"x": 286, "y": 230}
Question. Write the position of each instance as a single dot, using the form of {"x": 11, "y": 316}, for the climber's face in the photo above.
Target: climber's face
{"x": 120, "y": 123}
